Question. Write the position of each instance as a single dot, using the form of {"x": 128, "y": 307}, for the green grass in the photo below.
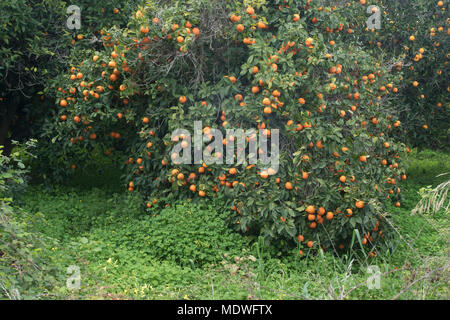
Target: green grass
{"x": 186, "y": 251}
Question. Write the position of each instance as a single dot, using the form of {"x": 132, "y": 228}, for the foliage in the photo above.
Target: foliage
{"x": 35, "y": 46}
{"x": 192, "y": 234}
{"x": 310, "y": 84}
{"x": 413, "y": 38}
{"x": 13, "y": 169}
{"x": 25, "y": 270}
{"x": 115, "y": 264}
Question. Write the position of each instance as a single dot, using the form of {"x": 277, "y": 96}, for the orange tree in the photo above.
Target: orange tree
{"x": 413, "y": 38}
{"x": 294, "y": 66}
{"x": 35, "y": 46}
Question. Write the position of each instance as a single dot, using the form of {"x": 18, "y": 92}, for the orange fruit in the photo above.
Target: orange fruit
{"x": 304, "y": 175}
{"x": 310, "y": 209}
{"x": 264, "y": 174}
{"x": 359, "y": 204}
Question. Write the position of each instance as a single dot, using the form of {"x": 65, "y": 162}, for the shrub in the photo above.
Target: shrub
{"x": 192, "y": 234}
{"x": 26, "y": 270}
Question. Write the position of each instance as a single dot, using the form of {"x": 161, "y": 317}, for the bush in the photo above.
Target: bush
{"x": 26, "y": 268}
{"x": 193, "y": 234}
{"x": 13, "y": 171}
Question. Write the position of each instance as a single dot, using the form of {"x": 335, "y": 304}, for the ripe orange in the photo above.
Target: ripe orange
{"x": 267, "y": 110}
{"x": 288, "y": 186}
{"x": 235, "y": 18}
{"x": 182, "y": 99}
{"x": 310, "y": 209}
{"x": 359, "y": 204}
{"x": 304, "y": 175}
{"x": 250, "y": 11}
{"x": 264, "y": 174}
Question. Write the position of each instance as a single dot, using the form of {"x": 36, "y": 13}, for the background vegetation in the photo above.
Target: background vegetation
{"x": 363, "y": 117}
